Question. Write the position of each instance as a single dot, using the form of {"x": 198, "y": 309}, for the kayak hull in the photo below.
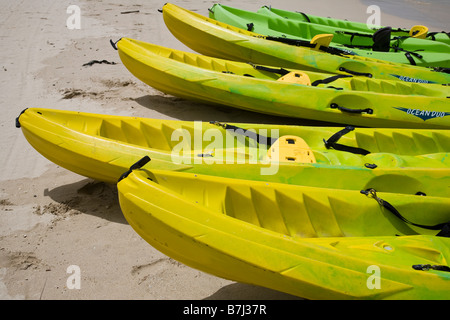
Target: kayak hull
{"x": 348, "y": 100}
{"x": 102, "y": 147}
{"x": 406, "y": 50}
{"x": 227, "y": 243}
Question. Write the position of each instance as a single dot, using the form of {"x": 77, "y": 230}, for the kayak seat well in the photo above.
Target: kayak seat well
{"x": 296, "y": 77}
{"x": 292, "y": 149}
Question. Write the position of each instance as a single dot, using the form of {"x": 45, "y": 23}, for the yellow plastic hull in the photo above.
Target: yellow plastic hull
{"x": 356, "y": 100}
{"x": 103, "y": 146}
{"x": 313, "y": 243}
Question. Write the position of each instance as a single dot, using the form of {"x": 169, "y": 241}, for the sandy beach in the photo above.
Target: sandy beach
{"x": 51, "y": 218}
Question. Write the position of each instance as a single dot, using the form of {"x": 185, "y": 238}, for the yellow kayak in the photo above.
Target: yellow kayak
{"x": 339, "y": 99}
{"x": 102, "y": 147}
{"x": 315, "y": 243}
{"x": 210, "y": 37}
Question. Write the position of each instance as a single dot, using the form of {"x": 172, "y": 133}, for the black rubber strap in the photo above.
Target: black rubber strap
{"x": 357, "y": 46}
{"x": 410, "y": 59}
{"x": 426, "y": 267}
{"x": 441, "y": 69}
{"x": 401, "y": 30}
{"x": 329, "y": 79}
{"x": 248, "y": 133}
{"x": 290, "y": 41}
{"x": 353, "y": 34}
{"x": 304, "y": 15}
{"x": 336, "y": 88}
{"x": 409, "y": 54}
{"x": 432, "y": 34}
{"x": 331, "y": 143}
{"x": 391, "y": 208}
{"x": 139, "y": 164}
{"x": 355, "y": 73}
{"x": 280, "y": 71}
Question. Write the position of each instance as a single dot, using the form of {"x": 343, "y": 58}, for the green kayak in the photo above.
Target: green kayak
{"x": 291, "y": 26}
{"x": 355, "y": 27}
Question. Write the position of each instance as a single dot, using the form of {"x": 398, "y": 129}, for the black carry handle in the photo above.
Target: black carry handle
{"x": 139, "y": 164}
{"x": 344, "y": 109}
{"x": 114, "y": 44}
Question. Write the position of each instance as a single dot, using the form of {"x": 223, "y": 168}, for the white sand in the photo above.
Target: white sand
{"x": 51, "y": 218}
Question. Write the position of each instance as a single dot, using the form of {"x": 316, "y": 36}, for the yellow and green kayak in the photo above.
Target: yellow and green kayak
{"x": 213, "y": 38}
{"x": 353, "y": 100}
{"x": 407, "y": 50}
{"x": 102, "y": 147}
{"x": 315, "y": 243}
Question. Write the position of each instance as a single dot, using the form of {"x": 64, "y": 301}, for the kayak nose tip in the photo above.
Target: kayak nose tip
{"x": 17, "y": 119}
